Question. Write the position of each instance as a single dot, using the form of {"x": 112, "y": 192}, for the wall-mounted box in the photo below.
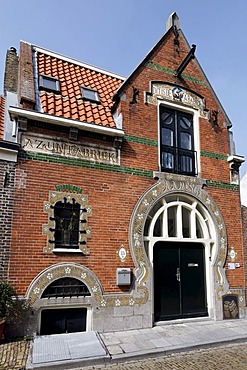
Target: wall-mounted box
{"x": 123, "y": 276}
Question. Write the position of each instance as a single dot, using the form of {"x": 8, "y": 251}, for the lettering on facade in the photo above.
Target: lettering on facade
{"x": 176, "y": 94}
{"x": 86, "y": 152}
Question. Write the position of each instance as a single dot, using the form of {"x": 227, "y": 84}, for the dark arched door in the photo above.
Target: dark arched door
{"x": 179, "y": 280}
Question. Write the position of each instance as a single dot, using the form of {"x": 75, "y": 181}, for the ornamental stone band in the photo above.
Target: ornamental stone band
{"x": 90, "y": 152}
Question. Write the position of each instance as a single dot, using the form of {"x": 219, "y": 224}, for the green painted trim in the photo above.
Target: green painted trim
{"x": 88, "y": 164}
{"x": 70, "y": 188}
{"x": 141, "y": 140}
{"x": 169, "y": 71}
{"x": 222, "y": 185}
{"x": 110, "y": 167}
{"x": 214, "y": 155}
{"x": 150, "y": 142}
{"x": 157, "y": 67}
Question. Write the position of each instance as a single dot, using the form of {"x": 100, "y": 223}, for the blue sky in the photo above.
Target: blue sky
{"x": 116, "y": 35}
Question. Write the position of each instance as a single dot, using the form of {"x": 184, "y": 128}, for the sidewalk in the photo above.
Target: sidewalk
{"x": 68, "y": 351}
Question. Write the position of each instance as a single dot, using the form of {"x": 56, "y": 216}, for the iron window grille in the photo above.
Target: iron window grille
{"x": 68, "y": 217}
{"x": 66, "y": 287}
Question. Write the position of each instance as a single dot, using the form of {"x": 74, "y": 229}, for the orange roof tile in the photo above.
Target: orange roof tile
{"x": 2, "y": 108}
{"x": 70, "y": 103}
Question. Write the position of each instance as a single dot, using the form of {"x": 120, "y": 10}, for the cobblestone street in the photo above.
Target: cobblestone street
{"x": 227, "y": 357}
{"x": 14, "y": 355}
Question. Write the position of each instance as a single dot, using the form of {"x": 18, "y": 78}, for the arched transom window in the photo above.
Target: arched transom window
{"x": 177, "y": 217}
{"x": 66, "y": 287}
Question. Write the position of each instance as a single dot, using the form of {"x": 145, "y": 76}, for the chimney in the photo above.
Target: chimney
{"x": 11, "y": 71}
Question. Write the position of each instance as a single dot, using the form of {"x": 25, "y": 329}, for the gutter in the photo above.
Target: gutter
{"x": 16, "y": 112}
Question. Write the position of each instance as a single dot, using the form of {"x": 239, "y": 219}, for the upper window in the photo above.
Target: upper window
{"x": 90, "y": 94}
{"x": 177, "y": 142}
{"x": 49, "y": 83}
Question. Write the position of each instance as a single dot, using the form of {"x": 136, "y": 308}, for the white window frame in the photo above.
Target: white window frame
{"x": 57, "y": 304}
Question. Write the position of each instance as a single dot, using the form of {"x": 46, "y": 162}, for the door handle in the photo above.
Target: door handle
{"x": 178, "y": 274}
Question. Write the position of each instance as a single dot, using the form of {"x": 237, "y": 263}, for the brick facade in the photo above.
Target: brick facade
{"x": 7, "y": 178}
{"x": 244, "y": 220}
{"x": 122, "y": 194}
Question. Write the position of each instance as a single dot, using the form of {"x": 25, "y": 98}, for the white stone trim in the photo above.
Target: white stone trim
{"x": 182, "y": 108}
{"x": 77, "y": 62}
{"x": 48, "y": 118}
{"x": 8, "y": 155}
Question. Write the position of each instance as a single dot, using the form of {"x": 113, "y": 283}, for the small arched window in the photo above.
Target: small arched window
{"x": 66, "y": 287}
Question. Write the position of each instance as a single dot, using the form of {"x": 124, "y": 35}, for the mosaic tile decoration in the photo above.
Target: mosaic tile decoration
{"x": 167, "y": 184}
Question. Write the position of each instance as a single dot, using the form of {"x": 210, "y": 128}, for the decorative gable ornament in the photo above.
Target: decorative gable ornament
{"x": 161, "y": 91}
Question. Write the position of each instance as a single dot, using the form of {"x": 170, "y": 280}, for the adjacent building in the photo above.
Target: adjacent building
{"x": 126, "y": 208}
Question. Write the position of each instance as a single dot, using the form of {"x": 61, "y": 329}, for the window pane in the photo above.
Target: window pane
{"x": 150, "y": 217}
{"x": 185, "y": 140}
{"x": 167, "y": 137}
{"x": 167, "y": 118}
{"x": 185, "y": 122}
{"x": 90, "y": 94}
{"x": 186, "y": 222}
{"x": 147, "y": 225}
{"x": 186, "y": 164}
{"x": 67, "y": 217}
{"x": 172, "y": 221}
{"x": 146, "y": 247}
{"x": 49, "y": 84}
{"x": 171, "y": 198}
{"x": 199, "y": 232}
{"x": 158, "y": 226}
{"x": 66, "y": 287}
{"x": 167, "y": 161}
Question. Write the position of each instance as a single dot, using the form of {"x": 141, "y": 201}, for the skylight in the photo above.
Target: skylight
{"x": 49, "y": 83}
{"x": 90, "y": 94}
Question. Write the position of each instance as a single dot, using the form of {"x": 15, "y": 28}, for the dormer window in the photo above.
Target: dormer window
{"x": 90, "y": 95}
{"x": 49, "y": 83}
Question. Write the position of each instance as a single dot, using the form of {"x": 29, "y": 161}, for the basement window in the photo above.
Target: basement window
{"x": 90, "y": 95}
{"x": 66, "y": 287}
{"x": 48, "y": 83}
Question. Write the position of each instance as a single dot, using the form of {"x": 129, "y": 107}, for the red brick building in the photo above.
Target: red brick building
{"x": 125, "y": 192}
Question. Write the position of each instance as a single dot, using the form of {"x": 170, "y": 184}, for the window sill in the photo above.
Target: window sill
{"x": 66, "y": 250}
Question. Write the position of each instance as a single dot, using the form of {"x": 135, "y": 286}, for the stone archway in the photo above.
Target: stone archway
{"x": 169, "y": 184}
{"x": 54, "y": 272}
